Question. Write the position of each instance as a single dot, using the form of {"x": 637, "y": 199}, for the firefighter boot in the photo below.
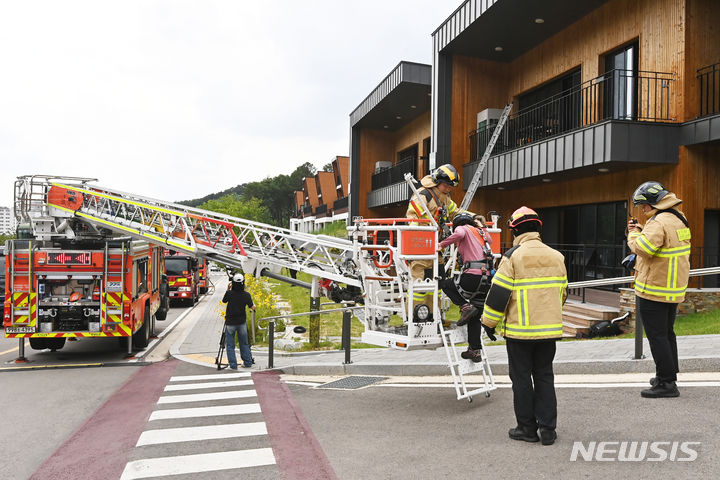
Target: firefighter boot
{"x": 547, "y": 437}
{"x": 661, "y": 390}
{"x": 526, "y": 435}
{"x": 472, "y": 354}
{"x": 467, "y": 312}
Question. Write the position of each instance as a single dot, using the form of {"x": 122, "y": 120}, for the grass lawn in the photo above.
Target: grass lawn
{"x": 707, "y": 323}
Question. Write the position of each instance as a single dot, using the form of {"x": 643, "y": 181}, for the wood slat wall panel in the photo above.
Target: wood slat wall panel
{"x": 702, "y": 47}
{"x": 658, "y": 25}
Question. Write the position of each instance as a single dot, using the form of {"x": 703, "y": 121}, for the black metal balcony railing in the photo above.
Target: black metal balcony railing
{"x": 709, "y": 78}
{"x": 394, "y": 174}
{"x": 340, "y": 203}
{"x": 307, "y": 209}
{"x": 618, "y": 94}
{"x": 321, "y": 209}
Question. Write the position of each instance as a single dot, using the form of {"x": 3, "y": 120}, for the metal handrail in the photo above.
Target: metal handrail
{"x": 698, "y": 272}
{"x": 617, "y": 94}
{"x": 345, "y": 329}
{"x": 709, "y": 78}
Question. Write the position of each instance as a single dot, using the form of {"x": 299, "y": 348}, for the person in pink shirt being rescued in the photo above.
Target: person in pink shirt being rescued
{"x": 473, "y": 245}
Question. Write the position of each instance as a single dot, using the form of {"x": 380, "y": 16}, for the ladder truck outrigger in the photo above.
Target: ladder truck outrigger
{"x": 370, "y": 267}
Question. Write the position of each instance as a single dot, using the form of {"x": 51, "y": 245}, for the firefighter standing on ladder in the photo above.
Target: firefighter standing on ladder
{"x": 435, "y": 191}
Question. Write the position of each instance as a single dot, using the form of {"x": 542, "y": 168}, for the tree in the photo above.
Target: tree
{"x": 235, "y": 206}
{"x": 328, "y": 167}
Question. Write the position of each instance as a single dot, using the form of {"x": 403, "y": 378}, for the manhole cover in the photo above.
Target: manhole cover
{"x": 351, "y": 383}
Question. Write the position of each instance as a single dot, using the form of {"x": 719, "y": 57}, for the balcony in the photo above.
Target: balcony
{"x": 321, "y": 210}
{"x": 307, "y": 210}
{"x": 706, "y": 128}
{"x": 709, "y": 79}
{"x": 340, "y": 204}
{"x": 622, "y": 117}
{"x": 388, "y": 185}
{"x": 394, "y": 174}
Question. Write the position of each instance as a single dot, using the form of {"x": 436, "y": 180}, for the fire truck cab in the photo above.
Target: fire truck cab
{"x": 183, "y": 277}
{"x": 93, "y": 288}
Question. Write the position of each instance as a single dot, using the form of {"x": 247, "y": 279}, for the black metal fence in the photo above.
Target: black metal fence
{"x": 394, "y": 174}
{"x": 340, "y": 203}
{"x": 617, "y": 94}
{"x": 709, "y": 78}
{"x": 307, "y": 209}
{"x": 591, "y": 262}
{"x": 321, "y": 209}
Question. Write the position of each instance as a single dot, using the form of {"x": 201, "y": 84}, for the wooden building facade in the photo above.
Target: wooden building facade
{"x": 390, "y": 136}
{"x": 607, "y": 94}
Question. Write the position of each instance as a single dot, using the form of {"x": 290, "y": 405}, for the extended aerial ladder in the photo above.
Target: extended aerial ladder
{"x": 372, "y": 267}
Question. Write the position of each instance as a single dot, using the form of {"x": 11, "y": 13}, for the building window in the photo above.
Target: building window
{"x": 620, "y": 93}
{"x": 591, "y": 237}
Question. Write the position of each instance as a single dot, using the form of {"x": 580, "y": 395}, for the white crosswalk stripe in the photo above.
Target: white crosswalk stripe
{"x": 202, "y": 397}
{"x": 214, "y": 376}
{"x": 210, "y": 432}
{"x": 208, "y": 462}
{"x": 222, "y": 431}
{"x": 205, "y": 411}
{"x": 201, "y": 386}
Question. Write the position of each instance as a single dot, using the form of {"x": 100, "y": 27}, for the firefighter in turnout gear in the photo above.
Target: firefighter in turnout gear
{"x": 435, "y": 190}
{"x": 525, "y": 305}
{"x": 662, "y": 270}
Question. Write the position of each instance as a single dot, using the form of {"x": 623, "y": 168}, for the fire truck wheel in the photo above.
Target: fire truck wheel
{"x": 161, "y": 314}
{"x": 203, "y": 290}
{"x": 141, "y": 338}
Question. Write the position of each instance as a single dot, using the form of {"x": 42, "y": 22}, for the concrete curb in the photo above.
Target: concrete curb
{"x": 560, "y": 368}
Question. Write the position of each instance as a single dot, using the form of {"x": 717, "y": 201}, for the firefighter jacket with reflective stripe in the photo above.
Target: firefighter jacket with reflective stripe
{"x": 662, "y": 268}
{"x": 528, "y": 291}
{"x": 435, "y": 200}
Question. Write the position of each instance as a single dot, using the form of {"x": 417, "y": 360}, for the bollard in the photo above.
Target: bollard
{"x": 638, "y": 333}
{"x": 347, "y": 317}
{"x": 271, "y": 341}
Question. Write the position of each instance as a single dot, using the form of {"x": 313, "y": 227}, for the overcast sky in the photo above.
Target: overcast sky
{"x": 179, "y": 99}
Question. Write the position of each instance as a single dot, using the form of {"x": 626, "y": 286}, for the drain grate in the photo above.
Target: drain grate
{"x": 352, "y": 382}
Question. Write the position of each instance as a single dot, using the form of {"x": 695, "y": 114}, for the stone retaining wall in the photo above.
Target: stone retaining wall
{"x": 697, "y": 300}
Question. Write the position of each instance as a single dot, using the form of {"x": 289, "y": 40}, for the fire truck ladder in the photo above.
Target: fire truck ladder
{"x": 475, "y": 182}
{"x": 235, "y": 242}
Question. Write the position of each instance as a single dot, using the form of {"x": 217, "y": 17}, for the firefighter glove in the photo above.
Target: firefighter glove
{"x": 490, "y": 331}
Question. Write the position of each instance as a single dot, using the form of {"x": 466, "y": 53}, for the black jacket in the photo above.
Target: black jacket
{"x": 236, "y": 303}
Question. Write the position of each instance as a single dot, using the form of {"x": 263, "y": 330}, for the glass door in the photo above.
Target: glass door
{"x": 620, "y": 92}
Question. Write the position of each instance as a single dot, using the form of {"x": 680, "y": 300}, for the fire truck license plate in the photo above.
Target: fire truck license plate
{"x": 19, "y": 329}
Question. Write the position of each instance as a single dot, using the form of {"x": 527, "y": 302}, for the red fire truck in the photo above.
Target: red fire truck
{"x": 91, "y": 288}
{"x": 183, "y": 277}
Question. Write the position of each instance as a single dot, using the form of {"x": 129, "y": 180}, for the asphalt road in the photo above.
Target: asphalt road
{"x": 422, "y": 432}
{"x": 43, "y": 406}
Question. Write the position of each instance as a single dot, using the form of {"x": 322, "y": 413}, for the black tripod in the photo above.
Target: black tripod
{"x": 221, "y": 350}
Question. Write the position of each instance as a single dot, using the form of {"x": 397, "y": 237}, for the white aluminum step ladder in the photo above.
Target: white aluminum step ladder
{"x": 460, "y": 367}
